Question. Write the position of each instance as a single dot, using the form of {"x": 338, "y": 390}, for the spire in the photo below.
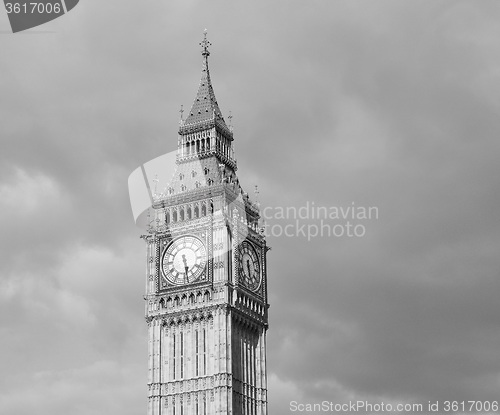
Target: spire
{"x": 204, "y": 133}
{"x": 205, "y": 107}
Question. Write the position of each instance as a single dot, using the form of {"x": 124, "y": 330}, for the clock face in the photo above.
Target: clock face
{"x": 249, "y": 269}
{"x": 184, "y": 260}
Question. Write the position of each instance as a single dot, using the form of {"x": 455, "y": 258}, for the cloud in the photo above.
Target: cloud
{"x": 109, "y": 387}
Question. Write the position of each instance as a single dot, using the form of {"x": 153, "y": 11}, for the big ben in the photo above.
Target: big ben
{"x": 206, "y": 283}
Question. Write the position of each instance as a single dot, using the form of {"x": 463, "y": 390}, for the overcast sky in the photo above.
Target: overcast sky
{"x": 393, "y": 104}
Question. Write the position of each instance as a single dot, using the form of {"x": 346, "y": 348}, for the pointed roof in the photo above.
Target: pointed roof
{"x": 205, "y": 107}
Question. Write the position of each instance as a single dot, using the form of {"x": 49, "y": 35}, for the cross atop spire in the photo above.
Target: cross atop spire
{"x": 204, "y": 45}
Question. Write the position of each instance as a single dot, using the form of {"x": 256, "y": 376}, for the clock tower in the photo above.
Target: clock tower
{"x": 206, "y": 284}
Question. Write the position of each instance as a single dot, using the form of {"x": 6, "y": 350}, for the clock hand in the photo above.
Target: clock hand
{"x": 248, "y": 269}
{"x": 186, "y": 267}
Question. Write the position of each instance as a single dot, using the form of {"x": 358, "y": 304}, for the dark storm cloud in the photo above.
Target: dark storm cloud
{"x": 389, "y": 104}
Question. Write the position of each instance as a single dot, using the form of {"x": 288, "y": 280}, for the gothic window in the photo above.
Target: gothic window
{"x": 188, "y": 213}
{"x": 197, "y": 184}
{"x": 170, "y": 191}
{"x": 193, "y": 174}
{"x": 207, "y": 170}
{"x": 197, "y": 349}
{"x": 210, "y": 182}
{"x": 181, "y": 176}
{"x": 204, "y": 368}
{"x": 174, "y": 360}
{"x": 196, "y": 212}
{"x": 181, "y": 352}
{"x": 175, "y": 216}
{"x": 203, "y": 210}
{"x": 183, "y": 188}
{"x": 167, "y": 217}
{"x": 181, "y": 214}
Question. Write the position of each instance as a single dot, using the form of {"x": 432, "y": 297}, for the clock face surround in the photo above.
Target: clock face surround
{"x": 184, "y": 260}
{"x": 249, "y": 269}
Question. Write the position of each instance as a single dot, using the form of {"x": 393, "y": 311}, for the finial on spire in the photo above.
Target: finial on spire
{"x": 181, "y": 122}
{"x": 230, "y": 120}
{"x": 205, "y": 44}
{"x": 156, "y": 180}
{"x": 256, "y": 192}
